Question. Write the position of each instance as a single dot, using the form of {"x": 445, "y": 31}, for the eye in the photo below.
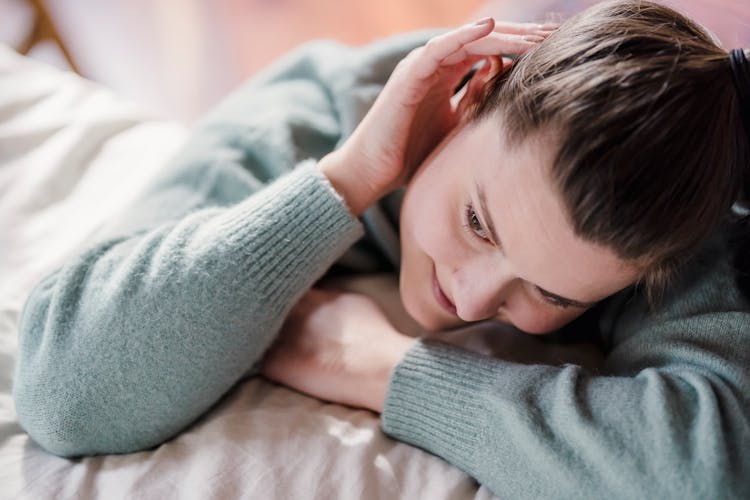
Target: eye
{"x": 550, "y": 300}
{"x": 472, "y": 224}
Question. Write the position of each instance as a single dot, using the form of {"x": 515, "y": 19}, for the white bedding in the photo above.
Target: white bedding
{"x": 71, "y": 155}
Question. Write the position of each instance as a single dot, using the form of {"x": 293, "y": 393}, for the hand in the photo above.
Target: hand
{"x": 337, "y": 346}
{"x": 413, "y": 113}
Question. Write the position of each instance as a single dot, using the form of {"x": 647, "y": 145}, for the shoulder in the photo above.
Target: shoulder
{"x": 705, "y": 296}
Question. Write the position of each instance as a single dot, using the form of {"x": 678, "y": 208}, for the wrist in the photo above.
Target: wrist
{"x": 357, "y": 192}
{"x": 395, "y": 350}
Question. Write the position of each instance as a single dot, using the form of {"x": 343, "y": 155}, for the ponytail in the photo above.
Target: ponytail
{"x": 740, "y": 67}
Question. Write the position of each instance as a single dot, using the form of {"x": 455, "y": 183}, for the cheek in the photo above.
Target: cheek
{"x": 432, "y": 236}
{"x": 539, "y": 319}
{"x": 427, "y": 223}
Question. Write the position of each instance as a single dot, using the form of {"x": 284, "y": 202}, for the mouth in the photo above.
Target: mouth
{"x": 440, "y": 296}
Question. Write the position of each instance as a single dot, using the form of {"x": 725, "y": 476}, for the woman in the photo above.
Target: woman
{"x": 546, "y": 193}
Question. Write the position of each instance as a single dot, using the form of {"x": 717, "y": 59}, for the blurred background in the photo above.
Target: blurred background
{"x": 179, "y": 57}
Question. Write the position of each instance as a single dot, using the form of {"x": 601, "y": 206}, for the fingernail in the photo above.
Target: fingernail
{"x": 548, "y": 26}
{"x": 533, "y": 38}
{"x": 483, "y": 22}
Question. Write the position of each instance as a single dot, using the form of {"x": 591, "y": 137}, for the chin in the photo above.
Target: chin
{"x": 429, "y": 324}
{"x": 417, "y": 312}
{"x": 426, "y": 321}
{"x": 539, "y": 328}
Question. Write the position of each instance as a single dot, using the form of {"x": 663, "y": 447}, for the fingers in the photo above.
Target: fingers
{"x": 483, "y": 38}
{"x": 494, "y": 44}
{"x": 524, "y": 28}
{"x": 438, "y": 48}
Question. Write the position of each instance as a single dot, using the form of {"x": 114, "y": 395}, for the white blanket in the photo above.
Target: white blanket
{"x": 72, "y": 155}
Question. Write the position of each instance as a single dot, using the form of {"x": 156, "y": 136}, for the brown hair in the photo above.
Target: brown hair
{"x": 652, "y": 151}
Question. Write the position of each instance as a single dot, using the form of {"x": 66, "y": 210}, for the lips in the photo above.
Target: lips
{"x": 440, "y": 296}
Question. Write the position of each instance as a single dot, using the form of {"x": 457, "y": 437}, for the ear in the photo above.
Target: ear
{"x": 475, "y": 90}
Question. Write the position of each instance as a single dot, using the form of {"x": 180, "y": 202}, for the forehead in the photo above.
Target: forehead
{"x": 528, "y": 213}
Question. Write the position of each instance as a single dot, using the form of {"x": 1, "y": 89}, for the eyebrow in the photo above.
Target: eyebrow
{"x": 485, "y": 214}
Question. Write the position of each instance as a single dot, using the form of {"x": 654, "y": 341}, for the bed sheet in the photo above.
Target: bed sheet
{"x": 73, "y": 154}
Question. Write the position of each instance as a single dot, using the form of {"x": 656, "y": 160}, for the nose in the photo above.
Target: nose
{"x": 480, "y": 287}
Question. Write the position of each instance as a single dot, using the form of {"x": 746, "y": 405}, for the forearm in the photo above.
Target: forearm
{"x": 390, "y": 354}
{"x": 667, "y": 417}
{"x": 550, "y": 432}
{"x": 157, "y": 326}
{"x": 358, "y": 194}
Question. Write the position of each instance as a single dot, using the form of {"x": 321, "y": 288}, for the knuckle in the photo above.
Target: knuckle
{"x": 432, "y": 45}
{"x": 413, "y": 53}
{"x": 408, "y": 60}
{"x": 403, "y": 63}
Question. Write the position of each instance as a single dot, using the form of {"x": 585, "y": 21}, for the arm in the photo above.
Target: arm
{"x": 667, "y": 417}
{"x": 142, "y": 331}
{"x": 134, "y": 338}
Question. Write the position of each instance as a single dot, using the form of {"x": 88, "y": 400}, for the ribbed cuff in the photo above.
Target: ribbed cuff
{"x": 435, "y": 401}
{"x": 307, "y": 225}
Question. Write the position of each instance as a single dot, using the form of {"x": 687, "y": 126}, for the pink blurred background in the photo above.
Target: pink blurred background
{"x": 179, "y": 57}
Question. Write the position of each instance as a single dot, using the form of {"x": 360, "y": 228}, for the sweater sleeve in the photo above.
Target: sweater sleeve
{"x": 134, "y": 338}
{"x": 666, "y": 417}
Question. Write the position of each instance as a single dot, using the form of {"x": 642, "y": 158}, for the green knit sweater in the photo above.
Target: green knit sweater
{"x": 178, "y": 298}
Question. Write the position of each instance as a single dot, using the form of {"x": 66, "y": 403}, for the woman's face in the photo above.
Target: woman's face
{"x": 484, "y": 235}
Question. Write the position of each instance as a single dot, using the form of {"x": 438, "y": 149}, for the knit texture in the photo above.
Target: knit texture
{"x": 134, "y": 338}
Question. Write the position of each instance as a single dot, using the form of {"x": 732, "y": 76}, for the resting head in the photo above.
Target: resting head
{"x": 603, "y": 158}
